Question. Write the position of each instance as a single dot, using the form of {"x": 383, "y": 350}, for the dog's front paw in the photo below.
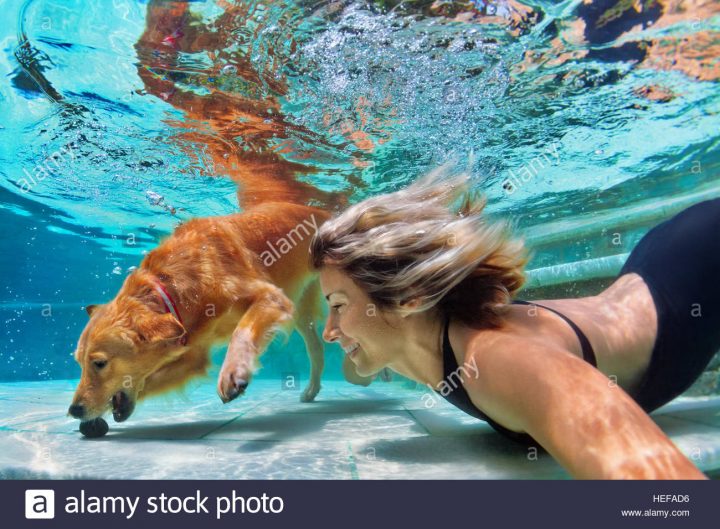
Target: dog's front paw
{"x": 310, "y": 392}
{"x": 232, "y": 383}
{"x": 236, "y": 371}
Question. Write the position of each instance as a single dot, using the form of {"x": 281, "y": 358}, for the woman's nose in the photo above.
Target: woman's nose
{"x": 330, "y": 333}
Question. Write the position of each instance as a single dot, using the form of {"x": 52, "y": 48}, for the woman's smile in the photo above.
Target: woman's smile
{"x": 352, "y": 350}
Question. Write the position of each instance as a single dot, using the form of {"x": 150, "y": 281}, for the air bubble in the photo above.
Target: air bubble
{"x": 229, "y": 69}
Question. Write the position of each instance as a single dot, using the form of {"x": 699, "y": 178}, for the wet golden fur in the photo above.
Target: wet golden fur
{"x": 213, "y": 269}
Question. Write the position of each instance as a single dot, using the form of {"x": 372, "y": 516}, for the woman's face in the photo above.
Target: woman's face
{"x": 356, "y": 323}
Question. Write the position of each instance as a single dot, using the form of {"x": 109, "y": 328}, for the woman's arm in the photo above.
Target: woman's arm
{"x": 587, "y": 423}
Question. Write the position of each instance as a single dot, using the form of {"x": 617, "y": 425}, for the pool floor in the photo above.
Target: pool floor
{"x": 385, "y": 431}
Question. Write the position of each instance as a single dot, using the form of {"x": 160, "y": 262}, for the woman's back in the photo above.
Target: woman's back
{"x": 620, "y": 324}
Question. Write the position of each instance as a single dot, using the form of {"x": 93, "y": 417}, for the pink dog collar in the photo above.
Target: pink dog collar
{"x": 170, "y": 307}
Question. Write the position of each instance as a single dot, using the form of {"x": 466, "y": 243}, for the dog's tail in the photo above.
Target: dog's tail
{"x": 276, "y": 180}
{"x": 216, "y": 120}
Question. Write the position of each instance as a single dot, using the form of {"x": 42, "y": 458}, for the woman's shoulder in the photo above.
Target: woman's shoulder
{"x": 497, "y": 366}
{"x": 522, "y": 328}
{"x": 490, "y": 349}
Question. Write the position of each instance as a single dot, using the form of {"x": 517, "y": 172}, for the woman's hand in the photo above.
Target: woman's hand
{"x": 582, "y": 418}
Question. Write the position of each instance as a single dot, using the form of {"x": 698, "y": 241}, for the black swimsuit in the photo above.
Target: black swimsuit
{"x": 459, "y": 397}
{"x": 679, "y": 260}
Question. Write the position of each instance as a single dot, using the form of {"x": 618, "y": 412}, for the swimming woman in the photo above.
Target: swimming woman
{"x": 426, "y": 289}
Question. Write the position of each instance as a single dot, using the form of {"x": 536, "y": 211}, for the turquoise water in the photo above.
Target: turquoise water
{"x": 585, "y": 120}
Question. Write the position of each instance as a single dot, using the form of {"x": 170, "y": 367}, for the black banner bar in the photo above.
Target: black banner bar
{"x": 366, "y": 504}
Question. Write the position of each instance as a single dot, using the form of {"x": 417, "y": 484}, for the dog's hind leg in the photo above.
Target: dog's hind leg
{"x": 269, "y": 309}
{"x": 307, "y": 316}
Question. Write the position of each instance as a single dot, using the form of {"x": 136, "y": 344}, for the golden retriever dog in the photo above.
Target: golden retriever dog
{"x": 238, "y": 277}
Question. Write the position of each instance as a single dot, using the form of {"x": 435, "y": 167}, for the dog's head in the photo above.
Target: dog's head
{"x": 125, "y": 342}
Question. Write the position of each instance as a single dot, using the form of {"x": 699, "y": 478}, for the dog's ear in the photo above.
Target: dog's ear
{"x": 154, "y": 327}
{"x": 91, "y": 308}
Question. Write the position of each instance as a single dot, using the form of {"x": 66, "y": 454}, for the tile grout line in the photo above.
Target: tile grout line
{"x": 353, "y": 467}
{"x": 417, "y": 421}
{"x": 203, "y": 436}
{"x": 694, "y": 421}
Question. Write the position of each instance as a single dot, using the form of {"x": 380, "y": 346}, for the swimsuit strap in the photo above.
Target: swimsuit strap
{"x": 587, "y": 350}
{"x": 458, "y": 396}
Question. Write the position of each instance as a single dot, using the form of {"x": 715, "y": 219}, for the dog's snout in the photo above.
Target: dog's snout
{"x": 77, "y": 411}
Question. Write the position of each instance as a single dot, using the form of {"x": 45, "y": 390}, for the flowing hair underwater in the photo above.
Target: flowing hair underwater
{"x": 428, "y": 242}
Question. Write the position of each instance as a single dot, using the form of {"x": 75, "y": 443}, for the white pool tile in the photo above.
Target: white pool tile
{"x": 699, "y": 442}
{"x": 449, "y": 422}
{"x": 479, "y": 456}
{"x": 325, "y": 428}
{"x": 28, "y": 455}
{"x": 385, "y": 431}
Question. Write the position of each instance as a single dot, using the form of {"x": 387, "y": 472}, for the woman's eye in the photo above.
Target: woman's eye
{"x": 335, "y": 307}
{"x": 99, "y": 363}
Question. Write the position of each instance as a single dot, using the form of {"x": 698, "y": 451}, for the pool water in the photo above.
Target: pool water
{"x": 584, "y": 122}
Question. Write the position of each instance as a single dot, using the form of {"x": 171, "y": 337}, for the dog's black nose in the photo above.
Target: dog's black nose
{"x": 77, "y": 411}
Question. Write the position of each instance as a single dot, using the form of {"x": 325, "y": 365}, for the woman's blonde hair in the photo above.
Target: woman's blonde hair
{"x": 428, "y": 242}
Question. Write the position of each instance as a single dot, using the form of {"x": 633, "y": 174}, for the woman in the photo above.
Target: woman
{"x": 425, "y": 289}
